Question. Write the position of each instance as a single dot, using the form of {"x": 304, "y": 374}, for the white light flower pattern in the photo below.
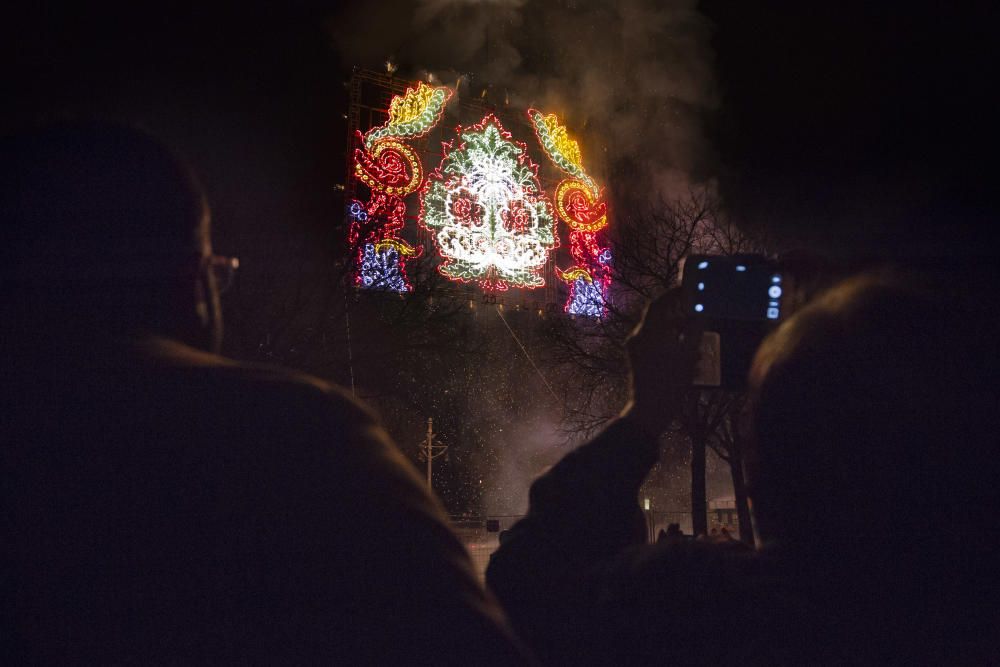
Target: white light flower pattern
{"x": 491, "y": 222}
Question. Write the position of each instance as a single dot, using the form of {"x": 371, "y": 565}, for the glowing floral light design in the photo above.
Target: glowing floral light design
{"x": 578, "y": 204}
{"x": 490, "y": 220}
{"x": 412, "y": 114}
{"x": 391, "y": 169}
{"x": 381, "y": 267}
{"x": 588, "y": 298}
{"x": 390, "y": 166}
{"x": 561, "y": 149}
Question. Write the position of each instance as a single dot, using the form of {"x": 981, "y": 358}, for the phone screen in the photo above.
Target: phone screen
{"x": 738, "y": 287}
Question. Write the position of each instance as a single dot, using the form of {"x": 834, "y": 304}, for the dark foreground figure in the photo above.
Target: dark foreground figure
{"x": 873, "y": 482}
{"x": 161, "y": 504}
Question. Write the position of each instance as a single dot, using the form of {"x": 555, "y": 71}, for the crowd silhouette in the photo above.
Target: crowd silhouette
{"x": 163, "y": 504}
{"x": 874, "y": 416}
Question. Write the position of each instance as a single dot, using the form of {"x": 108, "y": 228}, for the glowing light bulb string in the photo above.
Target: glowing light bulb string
{"x": 528, "y": 356}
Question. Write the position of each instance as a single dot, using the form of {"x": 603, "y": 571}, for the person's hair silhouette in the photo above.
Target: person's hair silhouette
{"x": 105, "y": 227}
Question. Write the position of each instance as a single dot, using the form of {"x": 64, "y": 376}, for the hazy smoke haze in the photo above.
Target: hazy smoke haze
{"x": 633, "y": 79}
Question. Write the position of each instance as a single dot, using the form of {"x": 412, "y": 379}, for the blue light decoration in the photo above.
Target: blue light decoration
{"x": 357, "y": 211}
{"x": 380, "y": 268}
{"x": 380, "y": 263}
{"x": 587, "y": 298}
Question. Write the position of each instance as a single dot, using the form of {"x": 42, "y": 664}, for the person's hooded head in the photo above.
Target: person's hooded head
{"x": 106, "y": 233}
{"x": 874, "y": 415}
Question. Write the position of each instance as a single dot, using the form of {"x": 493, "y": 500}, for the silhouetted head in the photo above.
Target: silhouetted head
{"x": 875, "y": 413}
{"x": 105, "y": 233}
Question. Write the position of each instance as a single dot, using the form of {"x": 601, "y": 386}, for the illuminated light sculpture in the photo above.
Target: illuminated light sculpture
{"x": 579, "y": 208}
{"x": 578, "y": 204}
{"x": 587, "y": 297}
{"x": 391, "y": 169}
{"x": 412, "y": 114}
{"x": 491, "y": 222}
{"x": 561, "y": 149}
{"x": 382, "y": 266}
{"x": 381, "y": 256}
{"x": 390, "y": 166}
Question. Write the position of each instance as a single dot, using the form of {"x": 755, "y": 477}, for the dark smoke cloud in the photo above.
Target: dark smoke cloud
{"x": 633, "y": 78}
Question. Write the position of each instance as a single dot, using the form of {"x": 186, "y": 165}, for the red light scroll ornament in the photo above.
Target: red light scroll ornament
{"x": 390, "y": 166}
{"x": 578, "y": 208}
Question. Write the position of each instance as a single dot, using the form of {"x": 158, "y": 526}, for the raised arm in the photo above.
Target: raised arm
{"x": 584, "y": 511}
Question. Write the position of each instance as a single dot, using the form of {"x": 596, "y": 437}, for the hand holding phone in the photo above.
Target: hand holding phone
{"x": 662, "y": 351}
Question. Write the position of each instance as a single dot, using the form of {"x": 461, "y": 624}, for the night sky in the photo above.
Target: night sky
{"x": 844, "y": 126}
{"x": 868, "y": 123}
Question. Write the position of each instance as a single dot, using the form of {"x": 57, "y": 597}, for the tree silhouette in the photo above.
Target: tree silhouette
{"x": 588, "y": 355}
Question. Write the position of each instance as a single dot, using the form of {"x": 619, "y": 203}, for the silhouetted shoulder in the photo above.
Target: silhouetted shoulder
{"x": 290, "y": 497}
{"x": 280, "y": 412}
{"x": 168, "y": 355}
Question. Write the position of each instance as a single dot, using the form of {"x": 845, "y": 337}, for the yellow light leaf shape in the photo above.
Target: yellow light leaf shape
{"x": 408, "y": 107}
{"x": 401, "y": 246}
{"x": 567, "y": 147}
{"x": 570, "y": 275}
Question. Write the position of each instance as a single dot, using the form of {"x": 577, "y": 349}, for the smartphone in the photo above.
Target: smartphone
{"x": 739, "y": 298}
{"x": 733, "y": 287}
